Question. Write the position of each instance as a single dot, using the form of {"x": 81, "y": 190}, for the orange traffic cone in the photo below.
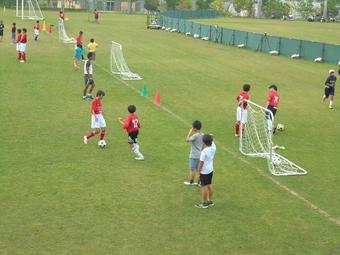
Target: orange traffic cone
{"x": 50, "y": 29}
{"x": 157, "y": 100}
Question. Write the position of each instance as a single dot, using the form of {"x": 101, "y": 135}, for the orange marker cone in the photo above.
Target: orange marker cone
{"x": 157, "y": 100}
{"x": 50, "y": 29}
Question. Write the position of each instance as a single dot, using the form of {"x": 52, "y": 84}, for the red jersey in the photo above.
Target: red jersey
{"x": 19, "y": 38}
{"x": 96, "y": 14}
{"x": 24, "y": 38}
{"x": 62, "y": 16}
{"x": 132, "y": 124}
{"x": 97, "y": 107}
{"x": 273, "y": 98}
{"x": 240, "y": 99}
{"x": 79, "y": 40}
{"x": 37, "y": 26}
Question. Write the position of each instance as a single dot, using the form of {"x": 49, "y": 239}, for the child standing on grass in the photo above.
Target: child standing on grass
{"x": 92, "y": 46}
{"x": 18, "y": 43}
{"x": 88, "y": 78}
{"x": 14, "y": 30}
{"x": 195, "y": 138}
{"x": 97, "y": 119}
{"x": 132, "y": 125}
{"x": 23, "y": 44}
{"x": 206, "y": 169}
{"x": 36, "y": 30}
{"x": 2, "y": 27}
{"x": 77, "y": 57}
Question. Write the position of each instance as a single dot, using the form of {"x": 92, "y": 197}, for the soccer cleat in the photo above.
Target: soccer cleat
{"x": 89, "y": 96}
{"x": 210, "y": 203}
{"x": 237, "y": 135}
{"x": 201, "y": 205}
{"x": 22, "y": 61}
{"x": 139, "y": 158}
{"x": 85, "y": 139}
{"x": 331, "y": 107}
{"x": 189, "y": 183}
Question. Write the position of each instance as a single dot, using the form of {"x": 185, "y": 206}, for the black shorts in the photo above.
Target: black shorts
{"x": 206, "y": 179}
{"x": 132, "y": 137}
{"x": 1, "y": 33}
{"x": 329, "y": 91}
{"x": 88, "y": 81}
{"x": 272, "y": 109}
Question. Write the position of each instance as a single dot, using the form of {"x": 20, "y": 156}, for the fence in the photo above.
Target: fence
{"x": 176, "y": 21}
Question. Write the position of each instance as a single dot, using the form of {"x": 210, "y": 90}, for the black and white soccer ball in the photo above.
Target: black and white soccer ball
{"x": 280, "y": 127}
{"x": 102, "y": 144}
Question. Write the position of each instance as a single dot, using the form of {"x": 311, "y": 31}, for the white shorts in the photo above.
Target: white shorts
{"x": 18, "y": 46}
{"x": 22, "y": 47}
{"x": 241, "y": 115}
{"x": 100, "y": 123}
{"x": 36, "y": 31}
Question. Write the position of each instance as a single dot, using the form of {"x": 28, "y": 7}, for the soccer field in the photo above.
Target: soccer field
{"x": 59, "y": 196}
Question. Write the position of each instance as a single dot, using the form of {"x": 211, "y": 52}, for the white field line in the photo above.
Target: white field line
{"x": 307, "y": 202}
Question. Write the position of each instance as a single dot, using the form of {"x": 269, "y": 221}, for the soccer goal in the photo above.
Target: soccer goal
{"x": 256, "y": 140}
{"x": 28, "y": 9}
{"x": 63, "y": 37}
{"x": 118, "y": 64}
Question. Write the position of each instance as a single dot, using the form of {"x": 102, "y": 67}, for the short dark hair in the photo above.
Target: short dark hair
{"x": 132, "y": 108}
{"x": 91, "y": 40}
{"x": 100, "y": 93}
{"x": 37, "y": 21}
{"x": 246, "y": 87}
{"x": 81, "y": 32}
{"x": 273, "y": 86}
{"x": 24, "y": 30}
{"x": 19, "y": 30}
{"x": 14, "y": 23}
{"x": 207, "y": 139}
{"x": 89, "y": 55}
{"x": 197, "y": 125}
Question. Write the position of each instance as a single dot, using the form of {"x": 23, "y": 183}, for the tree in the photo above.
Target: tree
{"x": 305, "y": 8}
{"x": 184, "y": 5}
{"x": 171, "y": 4}
{"x": 275, "y": 8}
{"x": 247, "y": 5}
{"x": 151, "y": 5}
{"x": 203, "y": 4}
{"x": 332, "y": 11}
{"x": 218, "y": 5}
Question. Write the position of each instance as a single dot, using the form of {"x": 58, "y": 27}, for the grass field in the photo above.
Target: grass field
{"x": 59, "y": 196}
{"x": 313, "y": 31}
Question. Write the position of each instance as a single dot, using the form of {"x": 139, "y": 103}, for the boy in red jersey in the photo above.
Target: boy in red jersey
{"x": 18, "y": 43}
{"x": 79, "y": 42}
{"x": 97, "y": 121}
{"x": 23, "y": 43}
{"x": 272, "y": 103}
{"x": 36, "y": 30}
{"x": 242, "y": 109}
{"x": 132, "y": 126}
{"x": 61, "y": 17}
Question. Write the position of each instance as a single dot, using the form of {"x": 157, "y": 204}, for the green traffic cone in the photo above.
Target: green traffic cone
{"x": 144, "y": 91}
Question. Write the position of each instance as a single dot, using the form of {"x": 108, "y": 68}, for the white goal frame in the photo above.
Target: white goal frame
{"x": 256, "y": 140}
{"x": 34, "y": 12}
{"x": 118, "y": 64}
{"x": 63, "y": 37}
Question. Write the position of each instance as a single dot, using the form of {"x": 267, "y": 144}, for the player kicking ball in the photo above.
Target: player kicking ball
{"x": 97, "y": 120}
{"x": 132, "y": 125}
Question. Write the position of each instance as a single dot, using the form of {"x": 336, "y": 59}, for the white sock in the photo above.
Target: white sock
{"x": 136, "y": 151}
{"x": 331, "y": 103}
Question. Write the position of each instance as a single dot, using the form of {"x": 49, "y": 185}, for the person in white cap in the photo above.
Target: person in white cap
{"x": 330, "y": 88}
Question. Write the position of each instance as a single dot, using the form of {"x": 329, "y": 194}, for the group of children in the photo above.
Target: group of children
{"x": 79, "y": 50}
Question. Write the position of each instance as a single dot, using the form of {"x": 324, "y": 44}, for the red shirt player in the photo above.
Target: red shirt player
{"x": 96, "y": 15}
{"x": 97, "y": 120}
{"x": 242, "y": 108}
{"x": 36, "y": 30}
{"x": 132, "y": 125}
{"x": 19, "y": 35}
{"x": 23, "y": 43}
{"x": 273, "y": 99}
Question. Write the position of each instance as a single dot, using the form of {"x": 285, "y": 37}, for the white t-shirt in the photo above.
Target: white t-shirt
{"x": 88, "y": 65}
{"x": 207, "y": 156}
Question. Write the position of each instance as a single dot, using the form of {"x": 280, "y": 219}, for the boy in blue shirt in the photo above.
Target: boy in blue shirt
{"x": 77, "y": 56}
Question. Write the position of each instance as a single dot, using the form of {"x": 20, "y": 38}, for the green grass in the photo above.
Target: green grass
{"x": 313, "y": 31}
{"x": 59, "y": 196}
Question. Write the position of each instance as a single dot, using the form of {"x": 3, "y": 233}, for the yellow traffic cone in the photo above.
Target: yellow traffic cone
{"x": 44, "y": 26}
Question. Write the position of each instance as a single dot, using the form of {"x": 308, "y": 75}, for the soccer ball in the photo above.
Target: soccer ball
{"x": 101, "y": 144}
{"x": 276, "y": 160}
{"x": 280, "y": 127}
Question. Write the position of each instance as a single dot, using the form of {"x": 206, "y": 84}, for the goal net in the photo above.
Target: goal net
{"x": 256, "y": 140}
{"x": 63, "y": 37}
{"x": 118, "y": 64}
{"x": 28, "y": 9}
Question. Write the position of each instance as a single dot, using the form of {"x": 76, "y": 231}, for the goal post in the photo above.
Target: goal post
{"x": 63, "y": 37}
{"x": 256, "y": 140}
{"x": 118, "y": 64}
{"x": 28, "y": 9}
